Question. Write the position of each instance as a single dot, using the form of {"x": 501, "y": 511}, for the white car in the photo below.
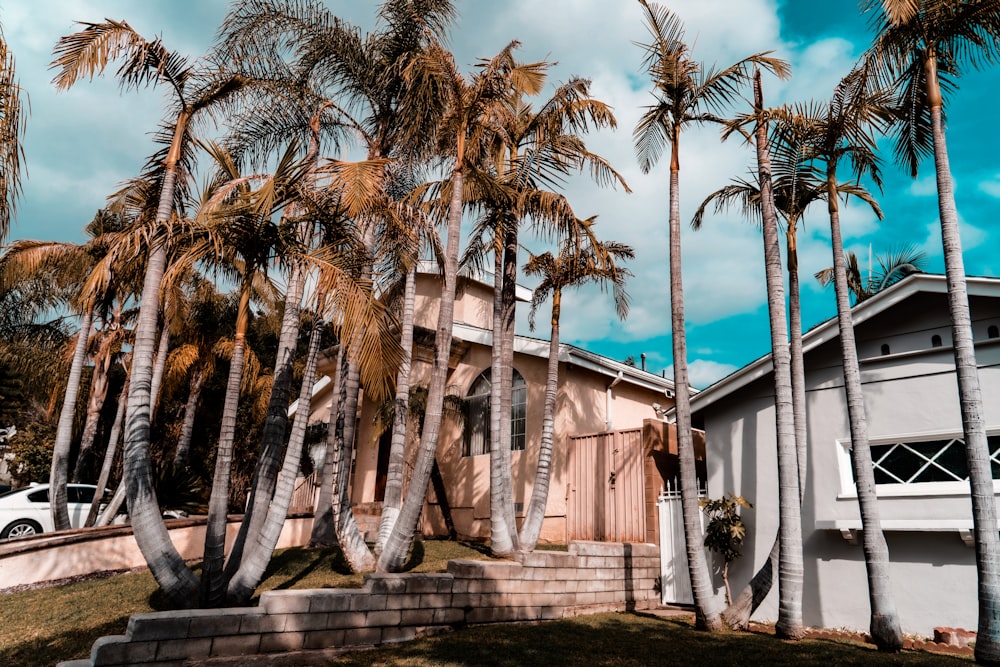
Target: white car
{"x": 26, "y": 511}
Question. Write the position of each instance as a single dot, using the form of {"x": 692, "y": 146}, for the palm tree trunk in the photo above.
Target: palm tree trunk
{"x": 275, "y": 423}
{"x": 977, "y": 451}
{"x": 324, "y": 534}
{"x": 170, "y": 571}
{"x": 109, "y": 456}
{"x": 190, "y": 412}
{"x": 885, "y": 629}
{"x": 535, "y": 514}
{"x": 790, "y": 563}
{"x": 502, "y": 533}
{"x": 352, "y": 542}
{"x": 706, "y": 610}
{"x": 114, "y": 505}
{"x": 160, "y": 362}
{"x": 393, "y": 556}
{"x": 257, "y": 553}
{"x": 393, "y": 498}
{"x": 58, "y": 476}
{"x": 98, "y": 394}
{"x": 213, "y": 584}
{"x": 797, "y": 359}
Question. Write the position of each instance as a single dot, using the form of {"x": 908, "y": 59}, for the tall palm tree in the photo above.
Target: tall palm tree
{"x": 893, "y": 266}
{"x": 144, "y": 62}
{"x": 843, "y": 130}
{"x": 790, "y": 562}
{"x": 686, "y": 93}
{"x": 530, "y": 157}
{"x": 921, "y": 46}
{"x": 13, "y": 116}
{"x": 575, "y": 264}
{"x": 461, "y": 107}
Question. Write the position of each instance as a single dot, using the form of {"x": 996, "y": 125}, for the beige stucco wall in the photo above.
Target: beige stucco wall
{"x": 910, "y": 392}
{"x": 581, "y": 407}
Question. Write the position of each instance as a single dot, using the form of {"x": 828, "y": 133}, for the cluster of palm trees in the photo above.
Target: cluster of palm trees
{"x": 292, "y": 84}
{"x": 897, "y": 88}
{"x": 324, "y": 241}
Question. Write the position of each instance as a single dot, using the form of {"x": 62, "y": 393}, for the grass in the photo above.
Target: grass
{"x": 627, "y": 640}
{"x": 47, "y": 625}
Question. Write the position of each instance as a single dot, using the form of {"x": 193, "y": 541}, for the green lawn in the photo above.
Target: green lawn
{"x": 44, "y": 626}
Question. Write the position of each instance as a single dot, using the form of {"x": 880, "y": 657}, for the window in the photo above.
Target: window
{"x": 992, "y": 331}
{"x": 935, "y": 341}
{"x": 930, "y": 461}
{"x": 885, "y": 348}
{"x": 477, "y": 415}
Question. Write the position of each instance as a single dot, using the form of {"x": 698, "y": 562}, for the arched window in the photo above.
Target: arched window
{"x": 992, "y": 331}
{"x": 885, "y": 348}
{"x": 477, "y": 414}
{"x": 935, "y": 341}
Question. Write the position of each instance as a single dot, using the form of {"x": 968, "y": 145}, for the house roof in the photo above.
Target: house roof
{"x": 828, "y": 330}
{"x": 570, "y": 354}
{"x": 430, "y": 267}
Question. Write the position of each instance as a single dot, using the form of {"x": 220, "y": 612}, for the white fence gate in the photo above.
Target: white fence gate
{"x": 675, "y": 584}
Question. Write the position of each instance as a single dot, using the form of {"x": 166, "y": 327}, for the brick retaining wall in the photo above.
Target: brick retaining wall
{"x": 592, "y": 577}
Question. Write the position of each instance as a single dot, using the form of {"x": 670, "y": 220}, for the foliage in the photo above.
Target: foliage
{"x": 725, "y": 531}
{"x": 32, "y": 450}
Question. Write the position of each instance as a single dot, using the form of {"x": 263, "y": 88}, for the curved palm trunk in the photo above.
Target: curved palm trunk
{"x": 503, "y": 530}
{"x": 885, "y": 629}
{"x": 109, "y": 456}
{"x": 706, "y": 609}
{"x": 790, "y": 563}
{"x": 169, "y": 569}
{"x": 109, "y": 513}
{"x": 195, "y": 386}
{"x": 275, "y": 424}
{"x": 352, "y": 542}
{"x": 393, "y": 556}
{"x": 58, "y": 476}
{"x": 160, "y": 363}
{"x": 393, "y": 498}
{"x": 213, "y": 584}
{"x": 977, "y": 451}
{"x": 98, "y": 394}
{"x": 257, "y": 553}
{"x": 535, "y": 514}
{"x": 323, "y": 532}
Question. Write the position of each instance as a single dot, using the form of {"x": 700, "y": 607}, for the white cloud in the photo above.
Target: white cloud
{"x": 704, "y": 372}
{"x": 925, "y": 186}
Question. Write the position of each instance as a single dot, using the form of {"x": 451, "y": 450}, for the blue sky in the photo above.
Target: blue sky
{"x": 82, "y": 143}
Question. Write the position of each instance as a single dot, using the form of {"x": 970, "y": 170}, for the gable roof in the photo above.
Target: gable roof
{"x": 482, "y": 277}
{"x": 570, "y": 354}
{"x": 828, "y": 330}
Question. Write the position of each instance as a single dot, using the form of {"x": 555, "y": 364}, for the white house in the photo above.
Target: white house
{"x": 911, "y": 397}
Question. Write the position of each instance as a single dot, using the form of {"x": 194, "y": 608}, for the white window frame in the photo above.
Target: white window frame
{"x": 916, "y": 489}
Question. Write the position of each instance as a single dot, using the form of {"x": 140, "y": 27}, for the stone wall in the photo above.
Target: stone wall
{"x": 591, "y": 577}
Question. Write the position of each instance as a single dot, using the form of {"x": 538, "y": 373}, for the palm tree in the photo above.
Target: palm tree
{"x": 531, "y": 156}
{"x": 575, "y": 264}
{"x": 893, "y": 266}
{"x": 921, "y": 46}
{"x": 12, "y": 123}
{"x": 686, "y": 93}
{"x": 144, "y": 62}
{"x": 843, "y": 130}
{"x": 462, "y": 106}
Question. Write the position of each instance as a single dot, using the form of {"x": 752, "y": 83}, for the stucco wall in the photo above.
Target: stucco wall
{"x": 909, "y": 393}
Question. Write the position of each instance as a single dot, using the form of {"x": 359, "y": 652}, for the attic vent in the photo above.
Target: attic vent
{"x": 885, "y": 348}
{"x": 935, "y": 341}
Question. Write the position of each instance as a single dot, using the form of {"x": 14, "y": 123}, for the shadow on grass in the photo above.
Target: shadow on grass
{"x": 626, "y": 640}
{"x": 49, "y": 649}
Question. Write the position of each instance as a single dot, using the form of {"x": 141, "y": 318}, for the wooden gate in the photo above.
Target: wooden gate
{"x": 605, "y": 496}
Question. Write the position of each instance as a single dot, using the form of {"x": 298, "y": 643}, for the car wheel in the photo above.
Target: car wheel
{"x": 21, "y": 528}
